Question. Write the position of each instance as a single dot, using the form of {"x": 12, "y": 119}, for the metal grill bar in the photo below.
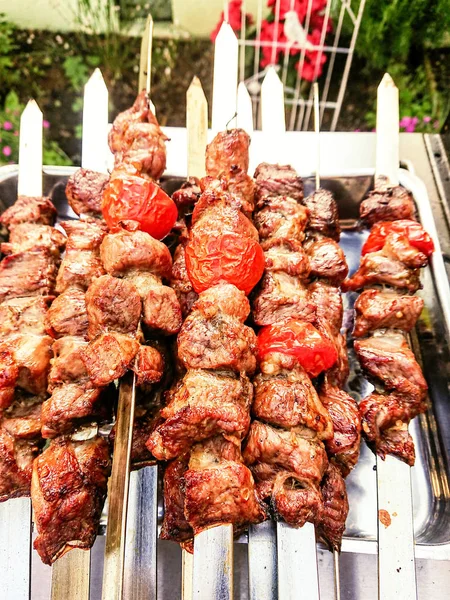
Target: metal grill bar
{"x": 213, "y": 564}
{"x": 262, "y": 562}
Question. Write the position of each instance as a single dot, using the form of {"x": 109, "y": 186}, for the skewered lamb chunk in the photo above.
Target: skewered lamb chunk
{"x": 330, "y": 523}
{"x": 281, "y": 217}
{"x": 323, "y": 214}
{"x": 29, "y": 209}
{"x": 175, "y": 526}
{"x": 26, "y": 237}
{"x": 84, "y": 191}
{"x": 326, "y": 259}
{"x": 391, "y": 204}
{"x": 67, "y": 315}
{"x": 27, "y": 274}
{"x": 25, "y": 315}
{"x": 275, "y": 181}
{"x": 227, "y": 150}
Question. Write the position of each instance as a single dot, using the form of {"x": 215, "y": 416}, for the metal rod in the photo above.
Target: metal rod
{"x": 262, "y": 561}
{"x": 187, "y": 575}
{"x": 71, "y": 575}
{"x": 213, "y": 564}
{"x": 15, "y": 549}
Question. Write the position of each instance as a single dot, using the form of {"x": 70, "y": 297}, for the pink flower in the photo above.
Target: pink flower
{"x": 234, "y": 18}
{"x": 409, "y": 124}
{"x": 426, "y": 119}
{"x": 7, "y": 151}
{"x": 45, "y": 124}
{"x": 16, "y": 133}
{"x": 7, "y": 125}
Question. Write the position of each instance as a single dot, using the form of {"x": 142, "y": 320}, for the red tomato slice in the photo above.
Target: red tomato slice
{"x": 226, "y": 257}
{"x": 302, "y": 340}
{"x": 132, "y": 198}
{"x": 416, "y": 234}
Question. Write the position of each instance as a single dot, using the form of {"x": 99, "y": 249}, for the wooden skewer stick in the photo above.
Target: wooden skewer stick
{"x": 145, "y": 64}
{"x": 15, "y": 515}
{"x": 396, "y": 560}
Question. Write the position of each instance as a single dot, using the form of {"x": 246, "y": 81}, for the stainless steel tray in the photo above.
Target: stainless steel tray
{"x": 431, "y": 432}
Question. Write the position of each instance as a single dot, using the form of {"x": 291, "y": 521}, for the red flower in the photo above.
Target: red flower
{"x": 269, "y": 33}
{"x": 234, "y": 18}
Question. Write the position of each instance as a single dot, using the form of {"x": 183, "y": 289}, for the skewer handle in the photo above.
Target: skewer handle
{"x": 262, "y": 561}
{"x": 71, "y": 576}
{"x": 225, "y": 79}
{"x": 213, "y": 564}
{"x": 94, "y": 147}
{"x": 197, "y": 128}
{"x": 30, "y": 151}
{"x": 387, "y": 153}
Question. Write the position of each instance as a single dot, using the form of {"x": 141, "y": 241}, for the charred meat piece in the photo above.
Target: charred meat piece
{"x": 67, "y": 365}
{"x": 109, "y": 357}
{"x": 180, "y": 282}
{"x": 29, "y": 209}
{"x": 286, "y": 255}
{"x": 377, "y": 268}
{"x": 27, "y": 274}
{"x": 24, "y": 315}
{"x": 339, "y": 372}
{"x": 227, "y": 150}
{"x": 388, "y": 358}
{"x": 385, "y": 419}
{"x": 376, "y": 309}
{"x": 281, "y": 217}
{"x": 186, "y": 197}
{"x": 135, "y": 250}
{"x": 343, "y": 446}
{"x": 219, "y": 487}
{"x": 326, "y": 259}
{"x": 390, "y": 205}
{"x": 67, "y": 315}
{"x": 280, "y": 297}
{"x": 69, "y": 406}
{"x": 323, "y": 213}
{"x": 138, "y": 113}
{"x": 331, "y": 522}
{"x": 175, "y": 526}
{"x": 9, "y": 373}
{"x": 223, "y": 298}
{"x": 27, "y": 237}
{"x": 327, "y": 301}
{"x": 68, "y": 491}
{"x": 84, "y": 191}
{"x": 399, "y": 247}
{"x": 277, "y": 180}
{"x": 162, "y": 312}
{"x": 148, "y": 366}
{"x": 143, "y": 149}
{"x": 201, "y": 405}
{"x": 112, "y": 304}
{"x": 84, "y": 234}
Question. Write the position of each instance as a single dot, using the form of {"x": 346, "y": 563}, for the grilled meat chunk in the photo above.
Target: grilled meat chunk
{"x": 288, "y": 469}
{"x": 227, "y": 150}
{"x": 28, "y": 237}
{"x": 343, "y": 447}
{"x": 68, "y": 491}
{"x": 175, "y": 526}
{"x": 67, "y": 365}
{"x": 180, "y": 282}
{"x": 148, "y": 366}
{"x": 109, "y": 357}
{"x": 323, "y": 213}
{"x": 287, "y": 256}
{"x": 27, "y": 274}
{"x": 24, "y": 315}
{"x": 162, "y": 312}
{"x": 186, "y": 197}
{"x": 277, "y": 180}
{"x": 219, "y": 487}
{"x": 326, "y": 259}
{"x": 281, "y": 217}
{"x": 388, "y": 358}
{"x": 84, "y": 191}
{"x": 9, "y": 372}
{"x": 280, "y": 297}
{"x": 390, "y": 205}
{"x": 29, "y": 209}
{"x": 201, "y": 405}
{"x": 112, "y": 304}
{"x": 67, "y": 315}
{"x": 84, "y": 234}
{"x": 376, "y": 309}
{"x": 135, "y": 250}
{"x": 331, "y": 522}
{"x": 327, "y": 301}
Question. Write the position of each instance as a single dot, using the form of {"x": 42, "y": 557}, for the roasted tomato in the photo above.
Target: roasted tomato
{"x": 416, "y": 234}
{"x": 302, "y": 340}
{"x": 131, "y": 198}
{"x": 228, "y": 257}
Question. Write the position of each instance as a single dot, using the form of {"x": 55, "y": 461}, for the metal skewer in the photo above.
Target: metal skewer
{"x": 15, "y": 514}
{"x": 396, "y": 560}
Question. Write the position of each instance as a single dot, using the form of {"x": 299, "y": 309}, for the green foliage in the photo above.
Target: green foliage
{"x": 76, "y": 71}
{"x": 7, "y": 47}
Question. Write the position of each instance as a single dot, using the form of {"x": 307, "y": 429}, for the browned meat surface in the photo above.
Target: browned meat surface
{"x": 109, "y": 357}
{"x": 24, "y": 315}
{"x": 398, "y": 247}
{"x": 390, "y": 205}
{"x": 148, "y": 366}
{"x": 227, "y": 150}
{"x": 180, "y": 282}
{"x": 175, "y": 526}
{"x": 84, "y": 191}
{"x": 339, "y": 372}
{"x": 68, "y": 491}
{"x": 331, "y": 521}
{"x": 326, "y": 260}
{"x": 78, "y": 269}
{"x": 84, "y": 234}
{"x": 20, "y": 430}
{"x": 281, "y": 217}
{"x": 9, "y": 372}
{"x": 67, "y": 365}
{"x": 280, "y": 297}
{"x": 27, "y": 274}
{"x": 112, "y": 304}
{"x": 377, "y": 268}
{"x": 186, "y": 197}
{"x": 242, "y": 187}
{"x": 223, "y": 298}
{"x": 327, "y": 301}
{"x": 201, "y": 405}
{"x": 287, "y": 398}
{"x": 288, "y": 469}
{"x": 286, "y": 255}
{"x": 67, "y": 315}
{"x": 26, "y": 237}
{"x": 323, "y": 213}
{"x": 343, "y": 446}
{"x": 376, "y": 309}
{"x": 219, "y": 487}
{"x": 135, "y": 250}
{"x": 385, "y": 419}
{"x": 69, "y": 406}
{"x": 162, "y": 312}
{"x": 277, "y": 180}
{"x": 388, "y": 358}
{"x": 29, "y": 209}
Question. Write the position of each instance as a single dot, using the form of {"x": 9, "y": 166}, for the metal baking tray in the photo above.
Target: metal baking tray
{"x": 431, "y": 431}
